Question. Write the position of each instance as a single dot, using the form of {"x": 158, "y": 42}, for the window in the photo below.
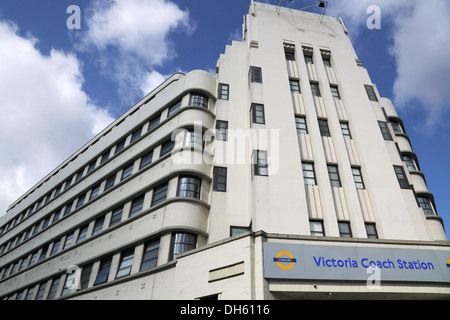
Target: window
{"x": 323, "y": 127}
{"x": 223, "y": 91}
{"x": 154, "y": 122}
{"x": 300, "y": 124}
{"x": 220, "y": 179}
{"x": 80, "y": 201}
{"x": 401, "y": 177}
{"x": 294, "y": 85}
{"x": 409, "y": 162}
{"x": 68, "y": 241}
{"x": 425, "y": 204}
{"x": 346, "y": 131}
{"x": 357, "y": 178}
{"x": 159, "y": 194}
{"x": 126, "y": 263}
{"x": 103, "y": 272}
{"x": 53, "y": 288}
{"x": 136, "y": 135}
{"x": 68, "y": 208}
{"x": 370, "y": 93}
{"x": 371, "y": 231}
{"x": 255, "y": 74}
{"x": 146, "y": 160}
{"x": 91, "y": 167}
{"x": 315, "y": 89}
{"x": 120, "y": 146}
{"x": 308, "y": 173}
{"x": 98, "y": 226}
{"x": 30, "y": 293}
{"x": 174, "y": 108}
{"x": 316, "y": 228}
{"x": 290, "y": 56}
{"x": 189, "y": 187}
{"x": 221, "y": 130}
{"x": 127, "y": 171}
{"x": 94, "y": 192}
{"x": 46, "y": 222}
{"x": 166, "y": 147}
{"x": 41, "y": 291}
{"x": 83, "y": 233}
{"x": 334, "y": 176}
{"x": 136, "y": 206}
{"x": 182, "y": 242}
{"x": 260, "y": 167}
{"x": 193, "y": 139}
{"x": 116, "y": 216}
{"x": 344, "y": 229}
{"x": 70, "y": 283}
{"x": 55, "y": 247}
{"x": 396, "y": 126}
{"x": 110, "y": 182}
{"x": 326, "y": 62}
{"x": 335, "y": 92}
{"x": 105, "y": 157}
{"x": 257, "y": 111}
{"x": 68, "y": 183}
{"x": 79, "y": 176}
{"x": 150, "y": 257}
{"x": 308, "y": 59}
{"x": 198, "y": 99}
{"x": 385, "y": 130}
{"x": 85, "y": 275}
{"x": 238, "y": 230}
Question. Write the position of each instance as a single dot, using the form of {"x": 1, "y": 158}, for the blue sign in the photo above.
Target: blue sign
{"x": 329, "y": 262}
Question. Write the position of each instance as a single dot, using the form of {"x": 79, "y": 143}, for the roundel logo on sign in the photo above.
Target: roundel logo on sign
{"x": 285, "y": 260}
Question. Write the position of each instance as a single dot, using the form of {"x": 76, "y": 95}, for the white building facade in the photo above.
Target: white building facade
{"x": 285, "y": 176}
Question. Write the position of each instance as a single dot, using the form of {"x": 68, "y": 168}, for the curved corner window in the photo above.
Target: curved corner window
{"x": 189, "y": 186}
{"x": 198, "y": 99}
{"x": 182, "y": 242}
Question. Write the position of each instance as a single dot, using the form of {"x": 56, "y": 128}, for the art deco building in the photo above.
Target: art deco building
{"x": 284, "y": 176}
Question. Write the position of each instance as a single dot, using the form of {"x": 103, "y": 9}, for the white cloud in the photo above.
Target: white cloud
{"x": 151, "y": 80}
{"x": 131, "y": 37}
{"x": 46, "y": 115}
{"x": 419, "y": 45}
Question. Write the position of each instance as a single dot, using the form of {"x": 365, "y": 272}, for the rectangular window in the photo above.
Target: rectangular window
{"x": 316, "y": 228}
{"x": 136, "y": 135}
{"x": 371, "y": 231}
{"x": 223, "y": 91}
{"x": 154, "y": 122}
{"x": 126, "y": 262}
{"x": 344, "y": 229}
{"x": 294, "y": 85}
{"x": 127, "y": 171}
{"x": 80, "y": 200}
{"x": 105, "y": 157}
{"x": 221, "y": 130}
{"x": 308, "y": 59}
{"x": 334, "y": 176}
{"x": 53, "y": 288}
{"x": 323, "y": 127}
{"x": 55, "y": 247}
{"x": 401, "y": 177}
{"x": 83, "y": 233}
{"x": 110, "y": 182}
{"x": 335, "y": 92}
{"x": 359, "y": 183}
{"x": 91, "y": 167}
{"x": 326, "y": 62}
{"x": 385, "y": 130}
{"x": 150, "y": 257}
{"x": 255, "y": 74}
{"x": 371, "y": 93}
{"x": 94, "y": 192}
{"x": 116, "y": 216}
{"x": 199, "y": 100}
{"x": 85, "y": 276}
{"x": 257, "y": 111}
{"x": 68, "y": 208}
{"x": 68, "y": 241}
{"x": 308, "y": 173}
{"x": 345, "y": 130}
{"x": 425, "y": 204}
{"x": 103, "y": 272}
{"x": 300, "y": 124}
{"x": 98, "y": 226}
{"x": 260, "y": 165}
{"x": 193, "y": 138}
{"x": 174, "y": 108}
{"x": 220, "y": 179}
{"x": 159, "y": 194}
{"x": 41, "y": 291}
{"x": 146, "y": 160}
{"x": 136, "y": 206}
{"x": 167, "y": 147}
{"x": 120, "y": 146}
{"x": 189, "y": 186}
{"x": 79, "y": 176}
{"x": 315, "y": 89}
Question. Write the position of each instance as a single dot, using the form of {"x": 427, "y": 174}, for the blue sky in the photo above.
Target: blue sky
{"x": 60, "y": 87}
